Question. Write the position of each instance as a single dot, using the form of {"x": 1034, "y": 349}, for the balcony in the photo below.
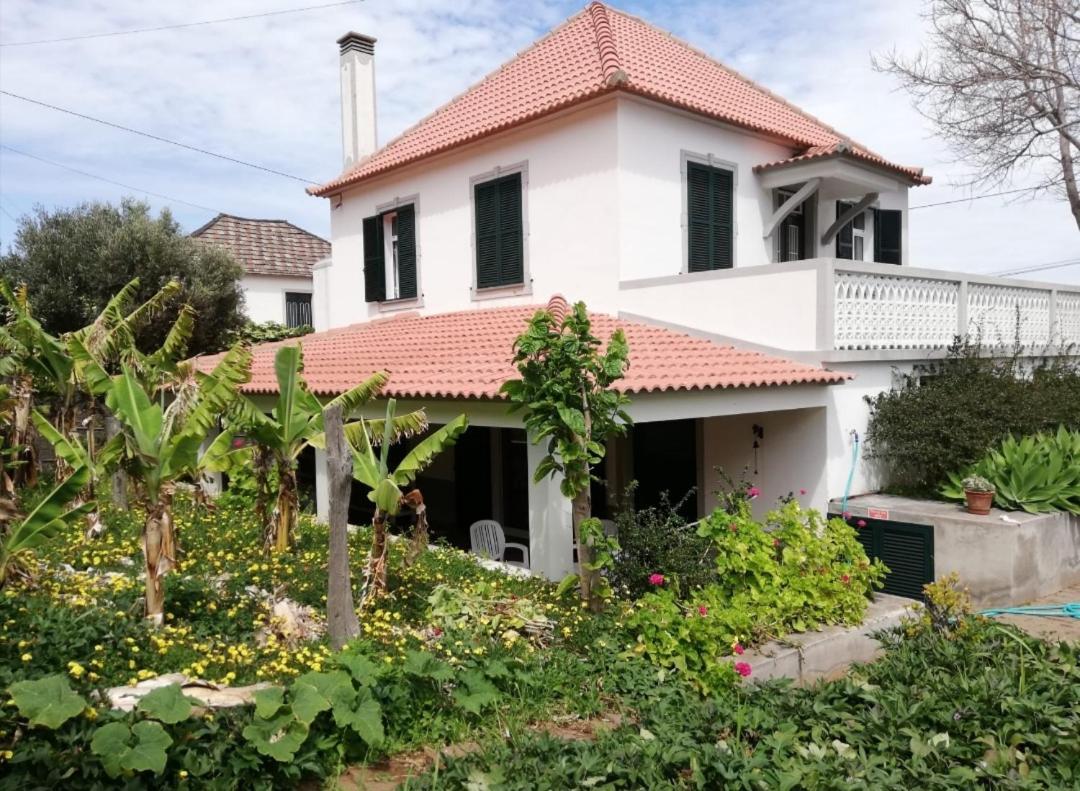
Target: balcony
{"x": 856, "y": 310}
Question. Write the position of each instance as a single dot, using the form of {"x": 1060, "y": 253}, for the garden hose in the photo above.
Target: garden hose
{"x": 1071, "y": 610}
{"x": 851, "y": 472}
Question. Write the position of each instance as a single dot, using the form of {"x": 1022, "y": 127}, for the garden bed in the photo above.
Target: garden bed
{"x": 1005, "y": 558}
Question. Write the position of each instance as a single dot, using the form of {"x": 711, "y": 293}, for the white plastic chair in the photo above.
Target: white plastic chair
{"x": 488, "y": 540}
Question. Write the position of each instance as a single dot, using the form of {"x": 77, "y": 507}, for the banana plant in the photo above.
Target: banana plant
{"x": 42, "y": 523}
{"x": 162, "y": 445}
{"x": 295, "y": 424}
{"x": 373, "y": 470}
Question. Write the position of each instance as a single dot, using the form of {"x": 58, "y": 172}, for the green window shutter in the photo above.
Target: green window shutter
{"x": 406, "y": 236}
{"x": 709, "y": 214}
{"x": 887, "y": 232}
{"x": 500, "y": 243}
{"x": 844, "y": 245}
{"x": 511, "y": 238}
{"x": 374, "y": 260}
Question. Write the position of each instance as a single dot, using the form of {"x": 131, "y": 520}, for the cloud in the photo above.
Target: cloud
{"x": 266, "y": 90}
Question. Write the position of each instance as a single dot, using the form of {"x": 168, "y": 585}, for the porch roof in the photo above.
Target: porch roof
{"x": 468, "y": 354}
{"x": 845, "y": 150}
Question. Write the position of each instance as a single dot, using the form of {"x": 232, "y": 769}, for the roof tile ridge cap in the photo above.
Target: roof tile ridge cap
{"x": 342, "y": 177}
{"x": 610, "y": 64}
{"x": 740, "y": 76}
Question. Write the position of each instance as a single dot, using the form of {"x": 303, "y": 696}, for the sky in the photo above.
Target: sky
{"x": 266, "y": 90}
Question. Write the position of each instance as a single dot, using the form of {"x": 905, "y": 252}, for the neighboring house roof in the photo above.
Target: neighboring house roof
{"x": 468, "y": 354}
{"x": 602, "y": 50}
{"x": 266, "y": 247}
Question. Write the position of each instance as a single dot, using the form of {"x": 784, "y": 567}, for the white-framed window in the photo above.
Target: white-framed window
{"x": 793, "y": 239}
{"x": 858, "y": 236}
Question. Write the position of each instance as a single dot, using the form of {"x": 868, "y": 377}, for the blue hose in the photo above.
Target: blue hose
{"x": 1047, "y": 610}
{"x": 851, "y": 472}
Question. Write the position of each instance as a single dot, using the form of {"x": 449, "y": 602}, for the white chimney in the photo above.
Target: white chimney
{"x": 357, "y": 97}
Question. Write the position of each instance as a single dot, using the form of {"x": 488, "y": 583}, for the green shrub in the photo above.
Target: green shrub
{"x": 793, "y": 573}
{"x": 947, "y": 416}
{"x": 659, "y": 539}
{"x": 267, "y": 331}
{"x": 1036, "y": 474}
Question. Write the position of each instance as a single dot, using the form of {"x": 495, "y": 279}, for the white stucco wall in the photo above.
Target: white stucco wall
{"x": 264, "y": 296}
{"x": 569, "y": 213}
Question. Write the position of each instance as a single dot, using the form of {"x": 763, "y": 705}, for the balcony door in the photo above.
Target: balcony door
{"x": 794, "y": 236}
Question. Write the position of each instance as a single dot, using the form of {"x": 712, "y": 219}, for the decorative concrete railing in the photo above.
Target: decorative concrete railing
{"x": 881, "y": 307}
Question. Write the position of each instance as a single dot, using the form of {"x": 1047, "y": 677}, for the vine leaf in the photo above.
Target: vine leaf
{"x": 48, "y": 702}
{"x": 167, "y": 704}
{"x": 279, "y": 737}
{"x": 137, "y": 748}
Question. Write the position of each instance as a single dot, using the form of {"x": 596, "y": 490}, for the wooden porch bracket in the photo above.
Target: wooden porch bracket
{"x": 847, "y": 217}
{"x": 792, "y": 203}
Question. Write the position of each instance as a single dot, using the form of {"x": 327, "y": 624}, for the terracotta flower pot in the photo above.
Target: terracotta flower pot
{"x": 979, "y": 502}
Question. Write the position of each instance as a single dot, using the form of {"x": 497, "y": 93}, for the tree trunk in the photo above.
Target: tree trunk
{"x": 418, "y": 542}
{"x": 120, "y": 476}
{"x": 263, "y": 461}
{"x": 66, "y": 418}
{"x": 287, "y": 505}
{"x": 582, "y": 510}
{"x": 1068, "y": 169}
{"x": 159, "y": 554}
{"x": 341, "y": 621}
{"x": 375, "y": 573}
{"x": 25, "y": 467}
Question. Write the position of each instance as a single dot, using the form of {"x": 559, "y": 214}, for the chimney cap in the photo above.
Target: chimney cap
{"x": 358, "y": 41}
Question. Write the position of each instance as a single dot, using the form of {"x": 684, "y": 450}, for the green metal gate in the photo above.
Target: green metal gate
{"x": 907, "y": 549}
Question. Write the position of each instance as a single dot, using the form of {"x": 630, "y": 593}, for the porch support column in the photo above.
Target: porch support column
{"x": 551, "y": 535}
{"x": 322, "y": 488}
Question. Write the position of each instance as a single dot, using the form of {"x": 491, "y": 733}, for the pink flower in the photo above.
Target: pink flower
{"x": 742, "y": 669}
{"x": 845, "y": 579}
{"x": 738, "y": 649}
{"x": 802, "y": 491}
{"x": 752, "y": 492}
{"x": 846, "y": 514}
{"x": 861, "y": 523}
{"x": 656, "y": 579}
{"x": 702, "y": 610}
{"x": 734, "y": 528}
{"x": 776, "y": 542}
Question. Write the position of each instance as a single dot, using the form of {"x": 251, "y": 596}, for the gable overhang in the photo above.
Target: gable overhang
{"x": 842, "y": 174}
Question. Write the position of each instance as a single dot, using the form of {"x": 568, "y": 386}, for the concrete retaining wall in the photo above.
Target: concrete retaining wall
{"x": 1006, "y": 558}
{"x": 827, "y": 654}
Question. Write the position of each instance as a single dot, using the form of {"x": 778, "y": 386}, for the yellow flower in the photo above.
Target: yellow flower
{"x": 90, "y": 713}
{"x": 27, "y": 657}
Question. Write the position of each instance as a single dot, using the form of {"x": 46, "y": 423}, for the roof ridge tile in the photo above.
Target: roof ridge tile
{"x": 605, "y": 44}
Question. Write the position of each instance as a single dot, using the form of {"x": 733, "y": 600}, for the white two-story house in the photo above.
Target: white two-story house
{"x": 756, "y": 257}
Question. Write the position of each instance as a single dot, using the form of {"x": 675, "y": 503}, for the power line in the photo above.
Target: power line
{"x": 158, "y": 138}
{"x": 977, "y": 197}
{"x": 1041, "y": 267}
{"x": 9, "y": 214}
{"x": 110, "y": 181}
{"x": 177, "y": 26}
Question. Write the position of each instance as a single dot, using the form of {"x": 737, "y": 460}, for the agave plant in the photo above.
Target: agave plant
{"x": 41, "y": 524}
{"x": 373, "y": 469}
{"x": 295, "y": 424}
{"x": 1037, "y": 473}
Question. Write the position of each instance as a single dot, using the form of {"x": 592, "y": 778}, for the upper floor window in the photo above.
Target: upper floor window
{"x": 297, "y": 309}
{"x": 794, "y": 236}
{"x": 709, "y": 218}
{"x": 851, "y": 242}
{"x": 390, "y": 255}
{"x": 500, "y": 244}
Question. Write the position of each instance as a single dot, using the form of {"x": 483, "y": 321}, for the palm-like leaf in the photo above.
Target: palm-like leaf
{"x": 67, "y": 448}
{"x": 418, "y": 459}
{"x": 176, "y": 341}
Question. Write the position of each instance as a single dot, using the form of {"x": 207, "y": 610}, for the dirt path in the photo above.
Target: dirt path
{"x": 391, "y": 773}
{"x": 1053, "y": 629}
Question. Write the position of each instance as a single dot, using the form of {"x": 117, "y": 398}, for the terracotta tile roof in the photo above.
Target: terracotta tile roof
{"x": 266, "y": 247}
{"x": 844, "y": 149}
{"x": 468, "y": 355}
{"x": 597, "y": 51}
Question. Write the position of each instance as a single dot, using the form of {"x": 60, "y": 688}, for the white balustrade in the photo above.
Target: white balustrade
{"x": 875, "y": 310}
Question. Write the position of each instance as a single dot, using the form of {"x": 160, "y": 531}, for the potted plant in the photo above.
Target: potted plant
{"x": 979, "y": 494}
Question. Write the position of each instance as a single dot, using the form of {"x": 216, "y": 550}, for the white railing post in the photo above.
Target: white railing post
{"x": 962, "y": 308}
{"x": 1053, "y": 313}
{"x": 826, "y": 307}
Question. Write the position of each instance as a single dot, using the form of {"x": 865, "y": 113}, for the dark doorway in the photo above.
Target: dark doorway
{"x": 665, "y": 460}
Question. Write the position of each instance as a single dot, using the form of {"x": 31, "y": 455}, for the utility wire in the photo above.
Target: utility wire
{"x": 9, "y": 215}
{"x": 177, "y": 26}
{"x": 1065, "y": 262}
{"x": 158, "y": 138}
{"x": 976, "y": 197}
{"x": 110, "y": 181}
